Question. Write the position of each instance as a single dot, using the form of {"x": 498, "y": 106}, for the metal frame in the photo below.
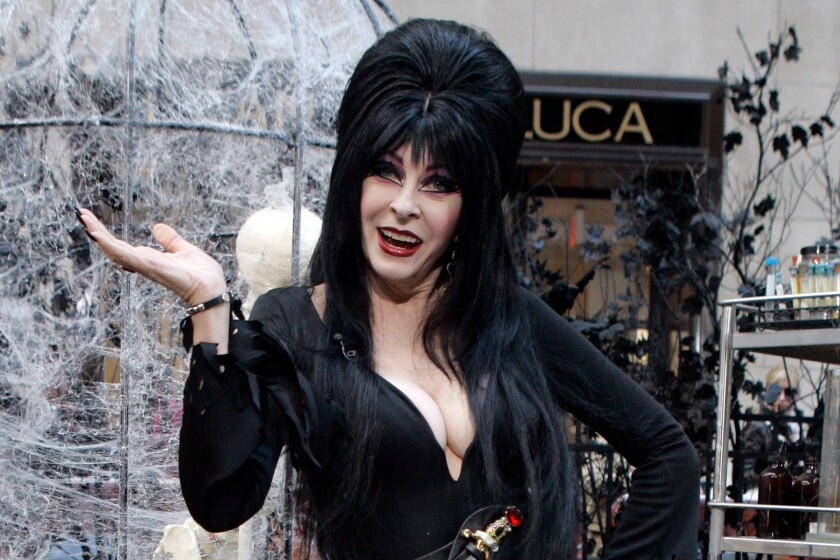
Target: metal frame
{"x": 821, "y": 345}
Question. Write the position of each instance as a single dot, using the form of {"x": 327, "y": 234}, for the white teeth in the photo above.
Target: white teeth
{"x": 399, "y": 236}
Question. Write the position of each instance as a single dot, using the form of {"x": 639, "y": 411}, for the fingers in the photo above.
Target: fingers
{"x": 181, "y": 268}
{"x": 99, "y": 233}
{"x": 171, "y": 241}
{"x": 129, "y": 257}
{"x": 88, "y": 220}
{"x": 95, "y": 229}
{"x": 84, "y": 226}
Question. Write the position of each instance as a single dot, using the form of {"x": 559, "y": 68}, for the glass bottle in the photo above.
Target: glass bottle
{"x": 814, "y": 287}
{"x": 805, "y": 491}
{"x": 793, "y": 270}
{"x": 773, "y": 279}
{"x": 804, "y": 288}
{"x": 835, "y": 286}
{"x": 774, "y": 486}
{"x": 827, "y": 285}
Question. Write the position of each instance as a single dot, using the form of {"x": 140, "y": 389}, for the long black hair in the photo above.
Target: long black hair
{"x": 451, "y": 93}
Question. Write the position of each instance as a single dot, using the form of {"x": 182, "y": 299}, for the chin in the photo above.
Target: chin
{"x": 393, "y": 278}
{"x": 400, "y": 277}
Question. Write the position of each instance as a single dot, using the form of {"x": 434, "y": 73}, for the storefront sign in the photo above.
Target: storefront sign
{"x": 615, "y": 120}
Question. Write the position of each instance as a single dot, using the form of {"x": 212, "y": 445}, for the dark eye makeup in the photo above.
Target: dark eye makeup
{"x": 387, "y": 171}
{"x": 438, "y": 182}
{"x": 441, "y": 184}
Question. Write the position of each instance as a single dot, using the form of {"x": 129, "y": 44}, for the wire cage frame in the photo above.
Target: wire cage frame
{"x": 195, "y": 113}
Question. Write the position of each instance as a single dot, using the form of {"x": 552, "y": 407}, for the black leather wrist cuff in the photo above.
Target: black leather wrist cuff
{"x": 210, "y": 303}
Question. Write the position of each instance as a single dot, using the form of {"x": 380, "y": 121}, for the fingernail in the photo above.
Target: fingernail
{"x": 84, "y": 227}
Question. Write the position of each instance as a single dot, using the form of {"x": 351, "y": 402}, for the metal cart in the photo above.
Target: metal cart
{"x": 780, "y": 333}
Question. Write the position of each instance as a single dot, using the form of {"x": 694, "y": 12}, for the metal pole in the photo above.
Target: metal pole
{"x": 300, "y": 127}
{"x": 377, "y": 28}
{"x": 722, "y": 451}
{"x": 125, "y": 301}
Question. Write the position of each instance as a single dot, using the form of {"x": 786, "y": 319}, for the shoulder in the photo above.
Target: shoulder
{"x": 546, "y": 325}
{"x": 280, "y": 308}
{"x": 291, "y": 298}
{"x": 529, "y": 302}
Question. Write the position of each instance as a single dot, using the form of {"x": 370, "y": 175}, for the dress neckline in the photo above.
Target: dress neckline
{"x": 315, "y": 316}
{"x": 429, "y": 434}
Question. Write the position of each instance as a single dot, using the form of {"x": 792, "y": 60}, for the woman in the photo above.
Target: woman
{"x": 414, "y": 383}
{"x": 767, "y": 437}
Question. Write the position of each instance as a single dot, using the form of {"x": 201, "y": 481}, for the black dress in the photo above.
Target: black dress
{"x": 241, "y": 408}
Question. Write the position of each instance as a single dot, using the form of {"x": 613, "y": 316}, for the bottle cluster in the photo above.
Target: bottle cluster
{"x": 816, "y": 269}
{"x": 776, "y": 486}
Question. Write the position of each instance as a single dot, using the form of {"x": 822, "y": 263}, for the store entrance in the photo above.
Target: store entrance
{"x": 599, "y": 155}
{"x": 590, "y": 225}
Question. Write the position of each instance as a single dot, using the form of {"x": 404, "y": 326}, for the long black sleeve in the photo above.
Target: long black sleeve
{"x": 240, "y": 409}
{"x": 661, "y": 517}
{"x": 225, "y": 462}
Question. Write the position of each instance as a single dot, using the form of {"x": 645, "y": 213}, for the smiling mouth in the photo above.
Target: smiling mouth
{"x": 399, "y": 240}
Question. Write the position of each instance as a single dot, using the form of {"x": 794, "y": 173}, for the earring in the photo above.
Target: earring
{"x": 449, "y": 264}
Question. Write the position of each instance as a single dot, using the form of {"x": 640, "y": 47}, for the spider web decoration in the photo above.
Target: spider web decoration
{"x": 195, "y": 113}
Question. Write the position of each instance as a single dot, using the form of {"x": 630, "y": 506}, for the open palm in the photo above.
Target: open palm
{"x": 180, "y": 267}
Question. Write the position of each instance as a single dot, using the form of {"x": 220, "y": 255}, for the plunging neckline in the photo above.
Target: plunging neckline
{"x": 428, "y": 429}
{"x": 412, "y": 406}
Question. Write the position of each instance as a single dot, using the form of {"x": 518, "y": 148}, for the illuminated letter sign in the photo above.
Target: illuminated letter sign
{"x": 640, "y": 126}
{"x": 553, "y": 136}
{"x": 614, "y": 119}
{"x": 579, "y": 130}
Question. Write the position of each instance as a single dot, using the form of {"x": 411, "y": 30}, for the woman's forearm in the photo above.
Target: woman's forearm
{"x": 212, "y": 326}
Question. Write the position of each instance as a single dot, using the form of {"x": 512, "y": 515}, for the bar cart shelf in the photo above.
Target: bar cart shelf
{"x": 816, "y": 345}
{"x": 782, "y": 547}
{"x": 813, "y": 340}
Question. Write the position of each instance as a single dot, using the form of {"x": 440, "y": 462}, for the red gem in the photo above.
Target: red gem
{"x": 514, "y": 516}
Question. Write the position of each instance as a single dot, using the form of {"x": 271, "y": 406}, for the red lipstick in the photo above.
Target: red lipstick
{"x": 393, "y": 242}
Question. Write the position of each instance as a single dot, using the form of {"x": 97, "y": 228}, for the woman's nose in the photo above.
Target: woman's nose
{"x": 405, "y": 204}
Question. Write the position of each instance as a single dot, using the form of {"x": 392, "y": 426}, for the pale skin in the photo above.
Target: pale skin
{"x": 184, "y": 269}
{"x": 408, "y": 197}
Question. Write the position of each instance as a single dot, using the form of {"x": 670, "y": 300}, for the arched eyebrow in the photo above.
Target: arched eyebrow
{"x": 392, "y": 157}
{"x": 431, "y": 166}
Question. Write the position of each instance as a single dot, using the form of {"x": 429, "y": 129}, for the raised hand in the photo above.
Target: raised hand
{"x": 193, "y": 275}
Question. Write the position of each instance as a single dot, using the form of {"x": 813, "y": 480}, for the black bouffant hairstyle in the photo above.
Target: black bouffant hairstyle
{"x": 451, "y": 93}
